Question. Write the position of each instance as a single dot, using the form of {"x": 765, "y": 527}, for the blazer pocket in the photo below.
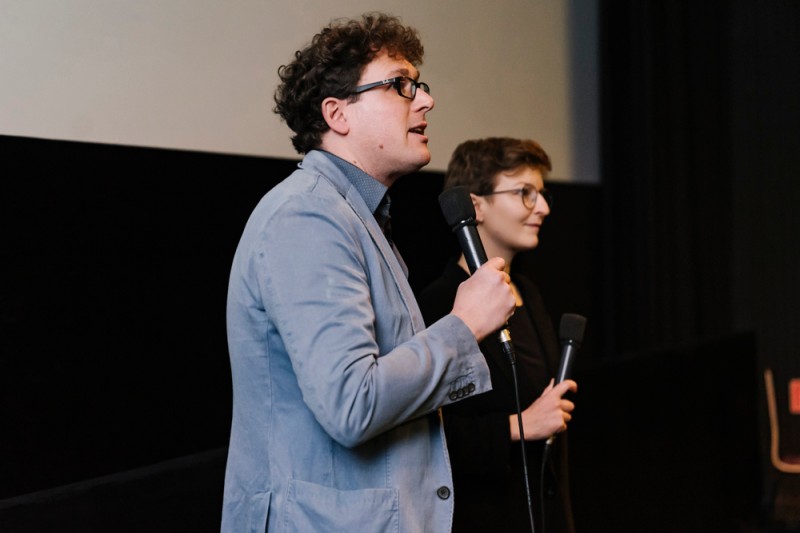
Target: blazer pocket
{"x": 259, "y": 512}
{"x": 312, "y": 507}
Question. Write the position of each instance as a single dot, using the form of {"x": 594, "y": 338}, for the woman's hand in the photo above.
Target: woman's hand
{"x": 547, "y": 415}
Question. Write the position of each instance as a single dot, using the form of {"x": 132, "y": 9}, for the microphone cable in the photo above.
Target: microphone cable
{"x": 545, "y": 459}
{"x": 508, "y": 349}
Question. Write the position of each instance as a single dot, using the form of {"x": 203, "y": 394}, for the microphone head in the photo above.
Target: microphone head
{"x": 571, "y": 328}
{"x": 457, "y": 208}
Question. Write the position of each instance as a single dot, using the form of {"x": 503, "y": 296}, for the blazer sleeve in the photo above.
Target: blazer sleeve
{"x": 322, "y": 277}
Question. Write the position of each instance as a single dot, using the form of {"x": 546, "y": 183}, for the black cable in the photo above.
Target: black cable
{"x": 509, "y": 351}
{"x": 545, "y": 457}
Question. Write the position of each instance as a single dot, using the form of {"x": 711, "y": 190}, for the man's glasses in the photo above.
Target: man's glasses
{"x": 405, "y": 86}
{"x": 529, "y": 195}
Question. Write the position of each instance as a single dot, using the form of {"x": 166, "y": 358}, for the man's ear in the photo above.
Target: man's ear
{"x": 478, "y": 202}
{"x": 334, "y": 115}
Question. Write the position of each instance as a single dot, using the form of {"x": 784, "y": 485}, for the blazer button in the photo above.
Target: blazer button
{"x": 443, "y": 493}
{"x": 471, "y": 388}
{"x": 453, "y": 396}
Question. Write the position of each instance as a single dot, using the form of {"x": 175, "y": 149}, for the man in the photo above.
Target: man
{"x": 337, "y": 383}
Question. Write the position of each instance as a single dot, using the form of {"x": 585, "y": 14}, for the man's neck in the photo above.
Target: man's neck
{"x": 347, "y": 155}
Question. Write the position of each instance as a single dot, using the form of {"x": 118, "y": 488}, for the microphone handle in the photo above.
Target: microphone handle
{"x": 475, "y": 256}
{"x": 567, "y": 356}
{"x": 471, "y": 246}
{"x": 568, "y": 351}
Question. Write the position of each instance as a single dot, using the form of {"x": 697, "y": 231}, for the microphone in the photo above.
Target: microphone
{"x": 570, "y": 334}
{"x": 458, "y": 211}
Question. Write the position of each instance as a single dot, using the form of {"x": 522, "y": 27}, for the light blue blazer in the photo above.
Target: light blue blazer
{"x": 336, "y": 381}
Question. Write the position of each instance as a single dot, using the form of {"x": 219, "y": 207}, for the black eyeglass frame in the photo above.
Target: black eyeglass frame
{"x": 547, "y": 195}
{"x": 396, "y": 82}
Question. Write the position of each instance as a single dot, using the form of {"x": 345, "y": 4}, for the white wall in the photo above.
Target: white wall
{"x": 200, "y": 74}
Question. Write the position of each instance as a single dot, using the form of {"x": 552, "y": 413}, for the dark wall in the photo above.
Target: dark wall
{"x": 665, "y": 440}
{"x": 114, "y": 279}
{"x": 114, "y": 354}
{"x": 700, "y": 122}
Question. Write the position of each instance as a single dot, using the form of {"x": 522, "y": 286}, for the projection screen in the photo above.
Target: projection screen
{"x": 200, "y": 74}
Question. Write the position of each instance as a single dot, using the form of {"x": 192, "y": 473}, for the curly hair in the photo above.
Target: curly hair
{"x": 476, "y": 163}
{"x": 332, "y": 65}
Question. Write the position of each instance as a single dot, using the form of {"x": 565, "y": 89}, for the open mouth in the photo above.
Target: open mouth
{"x": 418, "y": 130}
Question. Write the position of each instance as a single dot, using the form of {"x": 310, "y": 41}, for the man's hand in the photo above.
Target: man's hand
{"x": 485, "y": 301}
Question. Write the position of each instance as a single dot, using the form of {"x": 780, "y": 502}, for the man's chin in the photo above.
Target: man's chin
{"x": 421, "y": 162}
{"x": 425, "y": 159}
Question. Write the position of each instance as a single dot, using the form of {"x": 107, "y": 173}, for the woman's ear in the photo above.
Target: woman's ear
{"x": 334, "y": 115}
{"x": 478, "y": 202}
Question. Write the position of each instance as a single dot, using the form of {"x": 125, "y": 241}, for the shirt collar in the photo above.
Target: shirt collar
{"x": 371, "y": 190}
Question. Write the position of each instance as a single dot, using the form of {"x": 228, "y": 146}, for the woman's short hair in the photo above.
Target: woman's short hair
{"x": 476, "y": 163}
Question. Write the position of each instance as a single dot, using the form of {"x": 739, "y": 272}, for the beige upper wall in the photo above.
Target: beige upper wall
{"x": 199, "y": 74}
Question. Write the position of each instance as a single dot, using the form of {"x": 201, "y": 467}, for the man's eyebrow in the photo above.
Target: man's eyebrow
{"x": 406, "y": 72}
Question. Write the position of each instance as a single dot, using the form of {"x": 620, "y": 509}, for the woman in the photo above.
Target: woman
{"x": 506, "y": 180}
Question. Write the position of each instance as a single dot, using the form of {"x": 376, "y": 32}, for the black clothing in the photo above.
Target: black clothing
{"x": 489, "y": 487}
